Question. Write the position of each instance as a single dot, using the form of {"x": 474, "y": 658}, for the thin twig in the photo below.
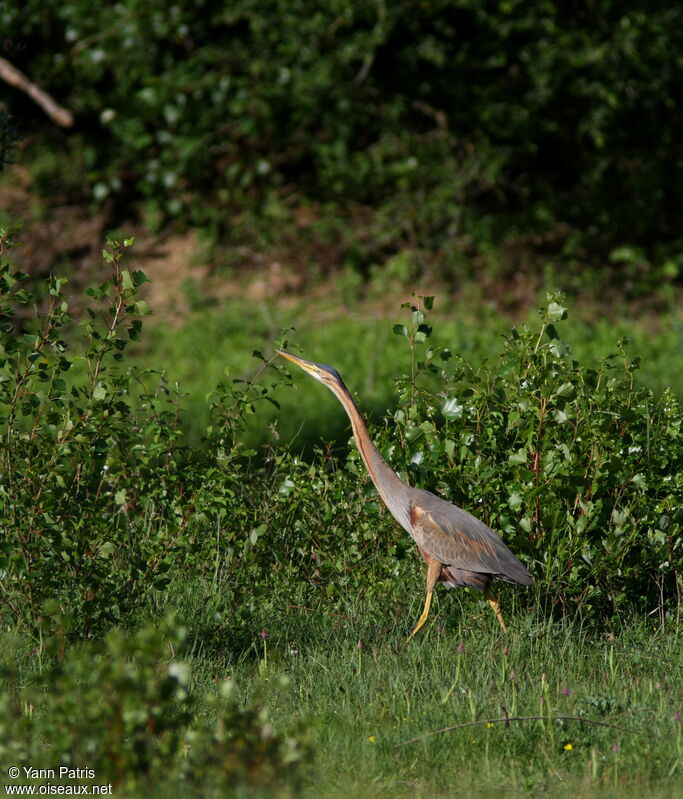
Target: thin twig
{"x": 507, "y": 721}
{"x": 10, "y": 74}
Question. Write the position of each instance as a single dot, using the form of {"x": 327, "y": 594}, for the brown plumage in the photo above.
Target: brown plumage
{"x": 459, "y": 549}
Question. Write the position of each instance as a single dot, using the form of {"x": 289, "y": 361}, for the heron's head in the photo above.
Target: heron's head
{"x": 325, "y": 374}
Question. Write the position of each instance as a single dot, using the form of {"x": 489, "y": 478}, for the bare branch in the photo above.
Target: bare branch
{"x": 10, "y": 74}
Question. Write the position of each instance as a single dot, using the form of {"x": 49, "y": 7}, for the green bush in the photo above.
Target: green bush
{"x": 580, "y": 471}
{"x": 100, "y": 502}
{"x": 90, "y": 498}
{"x": 127, "y": 709}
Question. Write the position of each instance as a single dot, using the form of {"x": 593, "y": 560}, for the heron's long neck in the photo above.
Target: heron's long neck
{"x": 389, "y": 486}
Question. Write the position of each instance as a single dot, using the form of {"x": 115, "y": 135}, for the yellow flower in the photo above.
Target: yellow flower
{"x": 371, "y": 738}
{"x": 489, "y": 725}
{"x": 568, "y": 747}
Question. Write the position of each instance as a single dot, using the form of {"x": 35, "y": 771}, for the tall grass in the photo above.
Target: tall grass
{"x": 551, "y": 709}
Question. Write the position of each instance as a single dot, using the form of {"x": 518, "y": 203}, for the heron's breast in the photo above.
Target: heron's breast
{"x": 419, "y": 532}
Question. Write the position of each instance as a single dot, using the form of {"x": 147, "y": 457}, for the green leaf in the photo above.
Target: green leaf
{"x": 640, "y": 480}
{"x": 515, "y": 500}
{"x": 413, "y": 433}
{"x": 556, "y": 312}
{"x": 452, "y": 408}
{"x": 518, "y": 457}
{"x": 126, "y": 280}
{"x": 401, "y": 330}
{"x": 257, "y": 532}
{"x": 106, "y": 549}
{"x": 139, "y": 277}
{"x": 559, "y": 349}
{"x": 567, "y": 391}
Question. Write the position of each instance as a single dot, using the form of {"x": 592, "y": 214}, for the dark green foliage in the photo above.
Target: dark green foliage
{"x": 9, "y": 136}
{"x": 466, "y": 121}
{"x": 100, "y": 507}
{"x": 294, "y": 535}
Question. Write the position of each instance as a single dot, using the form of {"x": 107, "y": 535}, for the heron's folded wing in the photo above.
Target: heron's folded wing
{"x": 456, "y": 538}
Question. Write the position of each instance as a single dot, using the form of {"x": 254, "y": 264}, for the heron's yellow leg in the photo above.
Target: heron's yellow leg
{"x": 496, "y": 609}
{"x": 433, "y": 571}
{"x": 425, "y": 613}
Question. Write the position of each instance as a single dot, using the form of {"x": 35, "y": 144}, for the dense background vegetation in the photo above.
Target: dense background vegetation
{"x": 426, "y": 132}
{"x": 199, "y": 589}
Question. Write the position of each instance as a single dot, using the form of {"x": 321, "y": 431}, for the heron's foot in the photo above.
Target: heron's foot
{"x": 496, "y": 609}
{"x": 423, "y": 617}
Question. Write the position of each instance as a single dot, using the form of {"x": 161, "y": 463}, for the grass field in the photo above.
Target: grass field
{"x": 590, "y": 713}
{"x": 550, "y": 709}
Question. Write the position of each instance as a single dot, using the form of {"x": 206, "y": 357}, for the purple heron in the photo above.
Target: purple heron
{"x": 459, "y": 549}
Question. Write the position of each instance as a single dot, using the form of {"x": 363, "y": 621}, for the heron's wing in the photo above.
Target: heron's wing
{"x": 456, "y": 538}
